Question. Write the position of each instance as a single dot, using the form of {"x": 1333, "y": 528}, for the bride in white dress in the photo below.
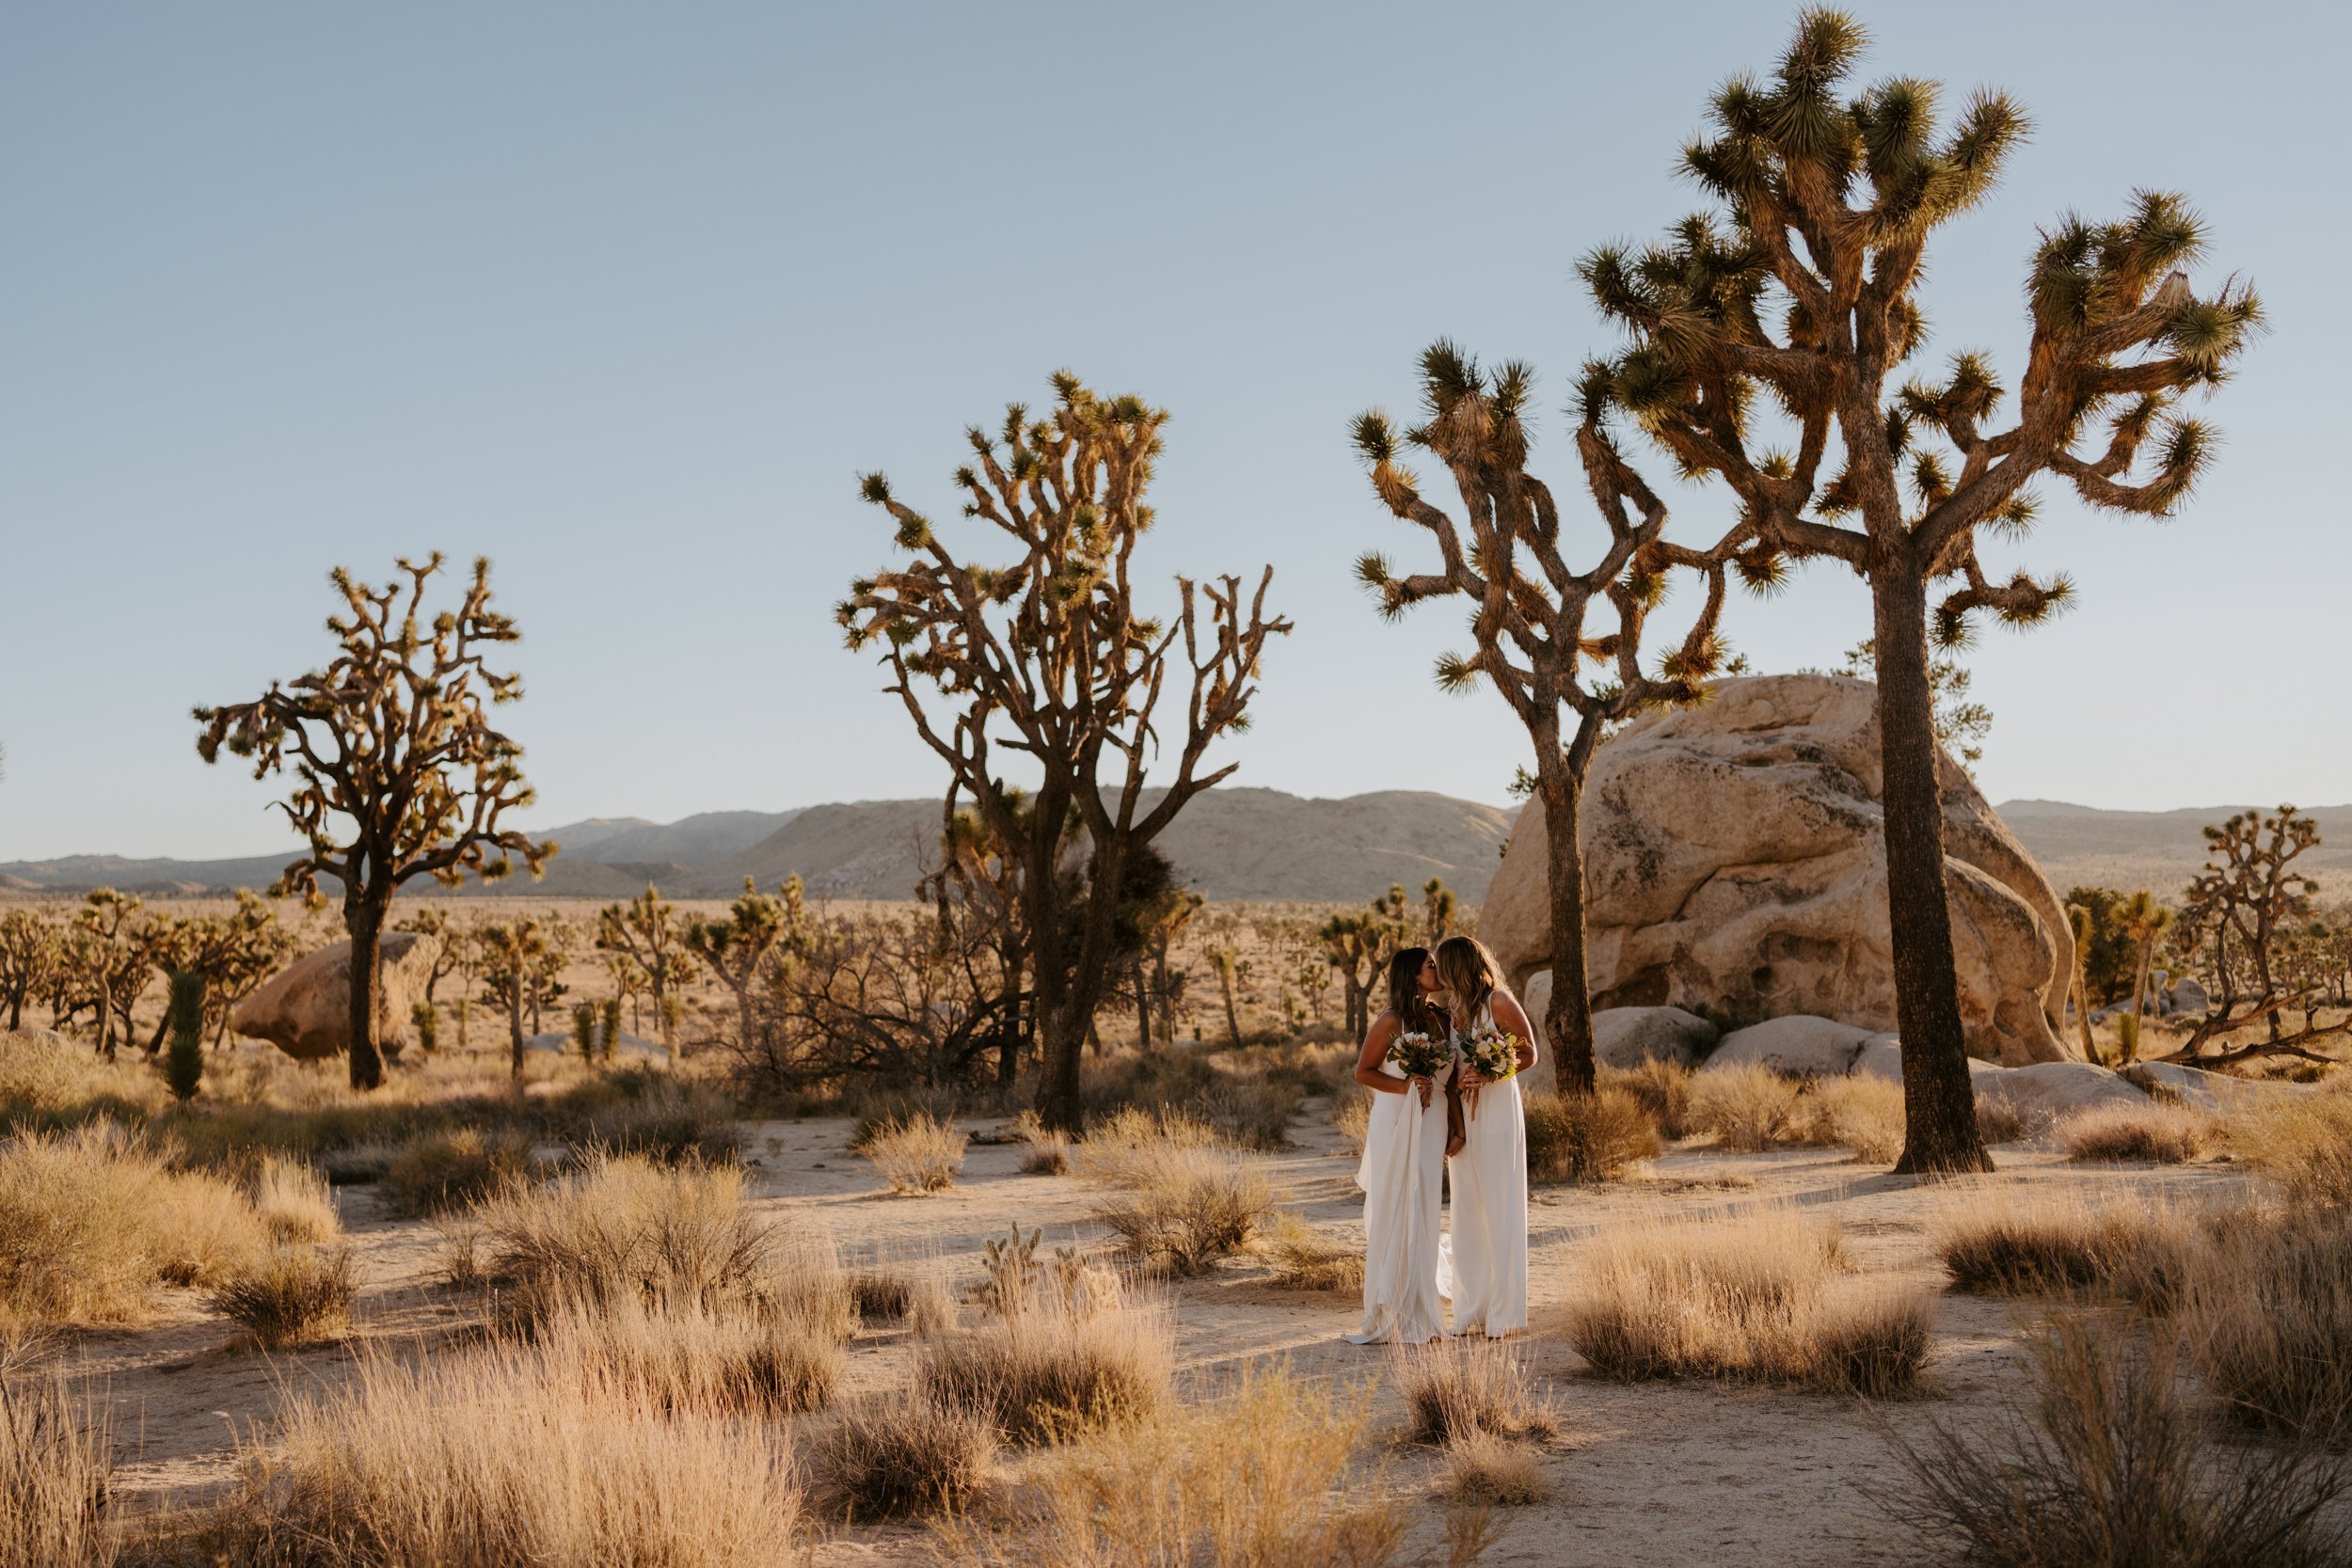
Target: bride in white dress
{"x": 1490, "y": 1240}
{"x": 1414, "y": 1121}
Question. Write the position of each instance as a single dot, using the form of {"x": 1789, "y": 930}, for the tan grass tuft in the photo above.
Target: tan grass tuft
{"x": 2166, "y": 1134}
{"x": 1048, "y": 1155}
{"x": 1190, "y": 1208}
{"x": 903, "y": 1454}
{"x": 294, "y": 1295}
{"x": 1864, "y": 1113}
{"x": 1456, "y": 1389}
{"x": 1664, "y": 1091}
{"x": 921, "y": 1154}
{"x": 2301, "y": 1142}
{"x": 448, "y": 1170}
{"x": 1587, "y": 1138}
{"x": 57, "y": 1459}
{"x": 1485, "y": 1468}
{"x": 1351, "y": 1116}
{"x": 738, "y": 1357}
{"x": 1746, "y": 1108}
{"x": 2269, "y": 1317}
{"x": 1305, "y": 1259}
{"x": 1038, "y": 1372}
{"x": 293, "y": 1201}
{"x": 2000, "y": 1240}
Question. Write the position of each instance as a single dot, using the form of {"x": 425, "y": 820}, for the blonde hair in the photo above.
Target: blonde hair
{"x": 1471, "y": 972}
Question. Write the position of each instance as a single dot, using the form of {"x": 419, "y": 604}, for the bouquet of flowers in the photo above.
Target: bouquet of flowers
{"x": 1416, "y": 1055}
{"x": 1492, "y": 1054}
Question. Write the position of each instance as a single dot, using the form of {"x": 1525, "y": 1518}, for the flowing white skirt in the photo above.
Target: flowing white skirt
{"x": 1488, "y": 1251}
{"x": 1402, "y": 1176}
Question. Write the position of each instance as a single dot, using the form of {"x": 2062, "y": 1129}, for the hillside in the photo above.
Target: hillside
{"x": 2160, "y": 851}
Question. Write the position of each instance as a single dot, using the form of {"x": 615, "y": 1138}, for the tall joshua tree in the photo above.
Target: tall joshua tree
{"x": 1529, "y": 632}
{"x": 1798, "y": 297}
{"x": 399, "y": 773}
{"x": 1048, "y": 654}
{"x": 737, "y": 948}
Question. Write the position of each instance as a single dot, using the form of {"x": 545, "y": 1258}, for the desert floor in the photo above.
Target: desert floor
{"x": 1647, "y": 1474}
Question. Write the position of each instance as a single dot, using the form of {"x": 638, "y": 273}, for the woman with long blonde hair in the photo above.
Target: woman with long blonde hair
{"x": 1489, "y": 1211}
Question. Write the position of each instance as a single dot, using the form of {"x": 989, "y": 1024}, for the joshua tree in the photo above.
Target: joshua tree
{"x": 29, "y": 953}
{"x": 2085, "y": 927}
{"x": 1530, "y": 632}
{"x": 1048, "y": 654}
{"x": 1229, "y": 968}
{"x": 2250, "y": 898}
{"x": 109, "y": 956}
{"x": 2144, "y": 921}
{"x": 511, "y": 952}
{"x": 737, "y": 949}
{"x": 1800, "y": 296}
{"x": 1357, "y": 944}
{"x": 643, "y": 933}
{"x": 1960, "y": 722}
{"x": 232, "y": 953}
{"x": 400, "y": 773}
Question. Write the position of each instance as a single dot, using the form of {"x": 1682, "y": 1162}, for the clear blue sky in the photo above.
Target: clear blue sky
{"x": 626, "y": 297}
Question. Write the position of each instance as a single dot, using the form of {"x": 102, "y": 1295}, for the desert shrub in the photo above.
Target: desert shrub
{"x": 1456, "y": 1389}
{"x": 1252, "y": 1479}
{"x": 1351, "y": 1116}
{"x": 902, "y": 1454}
{"x": 1253, "y": 1112}
{"x": 1035, "y": 1374}
{"x": 1304, "y": 1258}
{"x": 1130, "y": 1148}
{"x": 873, "y": 1109}
{"x": 493, "y": 1458}
{"x": 2269, "y": 1309}
{"x": 882, "y": 1293}
{"x": 1193, "y": 1209}
{"x": 2164, "y": 1133}
{"x": 292, "y": 1296}
{"x": 440, "y": 1171}
{"x": 49, "y": 1086}
{"x": 1662, "y": 1088}
{"x": 1746, "y": 1108}
{"x": 1864, "y": 1113}
{"x": 1485, "y": 1468}
{"x": 920, "y": 1154}
{"x": 662, "y": 1119}
{"x": 1995, "y": 1240}
{"x": 2000, "y": 1122}
{"x": 1048, "y": 1155}
{"x": 2106, "y": 1464}
{"x": 1748, "y": 1300}
{"x": 293, "y": 1200}
{"x": 57, "y": 1459}
{"x": 2302, "y": 1143}
{"x": 92, "y": 1221}
{"x": 1577, "y": 1137}
{"x": 749, "y": 1358}
{"x": 1161, "y": 1079}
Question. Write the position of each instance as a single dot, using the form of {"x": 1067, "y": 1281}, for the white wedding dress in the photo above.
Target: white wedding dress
{"x": 1403, "y": 1174}
{"x": 1489, "y": 1246}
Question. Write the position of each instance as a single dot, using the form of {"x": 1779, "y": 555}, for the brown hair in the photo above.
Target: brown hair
{"x": 1471, "y": 972}
{"x": 1405, "y": 999}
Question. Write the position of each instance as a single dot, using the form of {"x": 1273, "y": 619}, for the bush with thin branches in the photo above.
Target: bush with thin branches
{"x": 1456, "y": 1389}
{"x": 920, "y": 1153}
{"x": 1053, "y": 1366}
{"x": 2164, "y": 1135}
{"x": 57, "y": 1463}
{"x": 1996, "y": 1240}
{"x": 441, "y": 1171}
{"x": 903, "y": 1454}
{"x": 2269, "y": 1310}
{"x": 1193, "y": 1209}
{"x": 292, "y": 1295}
{"x": 1587, "y": 1137}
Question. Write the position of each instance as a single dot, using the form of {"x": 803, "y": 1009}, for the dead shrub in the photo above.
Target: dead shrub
{"x": 919, "y": 1154}
{"x": 293, "y": 1200}
{"x": 1586, "y": 1137}
{"x": 1130, "y": 1148}
{"x": 2268, "y": 1311}
{"x": 880, "y": 1293}
{"x": 1662, "y": 1088}
{"x": 2000, "y": 1122}
{"x": 447, "y": 1170}
{"x": 904, "y": 1454}
{"x": 1034, "y": 1374}
{"x": 740, "y": 1357}
{"x": 57, "y": 1463}
{"x": 2301, "y": 1142}
{"x": 1864, "y": 1113}
{"x": 292, "y": 1295}
{"x": 1747, "y": 1108}
{"x": 494, "y": 1458}
{"x": 1747, "y": 1300}
{"x": 2166, "y": 1135}
{"x": 1306, "y": 1259}
{"x": 1456, "y": 1389}
{"x": 1483, "y": 1468}
{"x": 1048, "y": 1155}
{"x": 1194, "y": 1209}
{"x": 1998, "y": 1240}
{"x": 2106, "y": 1464}
{"x": 1351, "y": 1116}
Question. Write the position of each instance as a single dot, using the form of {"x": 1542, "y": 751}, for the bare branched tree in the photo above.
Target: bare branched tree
{"x": 737, "y": 949}
{"x": 2248, "y": 901}
{"x": 644, "y": 934}
{"x": 1798, "y": 297}
{"x": 398, "y": 772}
{"x": 1049, "y": 656}
{"x": 1531, "y": 631}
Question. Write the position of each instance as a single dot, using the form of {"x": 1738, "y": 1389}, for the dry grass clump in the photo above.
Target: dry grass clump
{"x": 293, "y": 1200}
{"x": 1191, "y": 1209}
{"x": 1864, "y": 1113}
{"x": 1662, "y": 1088}
{"x": 45, "y": 1085}
{"x": 1747, "y": 1108}
{"x": 1305, "y": 1259}
{"x": 2166, "y": 1134}
{"x": 904, "y": 1454}
{"x": 2001, "y": 1241}
{"x": 1048, "y": 1155}
{"x": 1750, "y": 1108}
{"x": 882, "y": 1293}
{"x": 1128, "y": 1148}
{"x": 56, "y": 1460}
{"x": 1251, "y": 1481}
{"x": 1578, "y": 1137}
{"x": 294, "y": 1295}
{"x": 919, "y": 1154}
{"x": 740, "y": 1357}
{"x": 1053, "y": 1366}
{"x": 2269, "y": 1318}
{"x": 446, "y": 1170}
{"x": 495, "y": 1458}
{"x": 92, "y": 1221}
{"x": 1749, "y": 1299}
{"x": 2302, "y": 1143}
{"x": 662, "y": 1119}
{"x": 2000, "y": 1122}
{"x": 1351, "y": 1116}
{"x": 2107, "y": 1466}
{"x": 1456, "y": 1389}
{"x": 1483, "y": 1468}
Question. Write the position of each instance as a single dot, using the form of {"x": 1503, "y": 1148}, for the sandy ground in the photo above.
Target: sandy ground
{"x": 1645, "y": 1475}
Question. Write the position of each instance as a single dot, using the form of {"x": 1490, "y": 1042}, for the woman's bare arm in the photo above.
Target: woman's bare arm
{"x": 1378, "y": 1039}
{"x": 1510, "y": 1016}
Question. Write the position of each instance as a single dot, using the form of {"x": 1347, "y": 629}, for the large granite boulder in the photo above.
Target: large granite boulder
{"x": 1735, "y": 859}
{"x": 305, "y": 1008}
{"x": 2040, "y": 1092}
{"x": 1627, "y": 1037}
{"x": 1796, "y": 1045}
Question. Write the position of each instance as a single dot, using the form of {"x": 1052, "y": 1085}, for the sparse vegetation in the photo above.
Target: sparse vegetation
{"x": 1049, "y": 1368}
{"x": 293, "y": 1200}
{"x": 292, "y": 1295}
{"x": 1189, "y": 1209}
{"x": 1662, "y": 1088}
{"x": 900, "y": 1454}
{"x": 1457, "y": 1389}
{"x": 1998, "y": 1240}
{"x": 57, "y": 1463}
{"x": 2302, "y": 1144}
{"x": 441, "y": 1171}
{"x": 2268, "y": 1311}
{"x": 2164, "y": 1135}
{"x": 1485, "y": 1468}
{"x": 739, "y": 1356}
{"x": 1306, "y": 1259}
{"x": 1587, "y": 1137}
{"x": 919, "y": 1154}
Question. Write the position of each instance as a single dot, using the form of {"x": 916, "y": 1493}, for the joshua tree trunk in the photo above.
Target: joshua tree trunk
{"x": 1143, "y": 1006}
{"x": 2139, "y": 993}
{"x": 1569, "y": 1019}
{"x": 363, "y": 918}
{"x": 1233, "y": 1012}
{"x": 1939, "y": 1103}
{"x": 2079, "y": 918}
{"x": 515, "y": 1025}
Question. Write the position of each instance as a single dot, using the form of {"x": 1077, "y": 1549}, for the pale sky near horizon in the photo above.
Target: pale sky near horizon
{"x": 627, "y": 296}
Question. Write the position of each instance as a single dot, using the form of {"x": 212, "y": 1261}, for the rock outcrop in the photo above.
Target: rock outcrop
{"x": 305, "y": 1009}
{"x": 1735, "y": 861}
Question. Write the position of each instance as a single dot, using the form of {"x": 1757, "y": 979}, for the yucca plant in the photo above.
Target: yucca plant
{"x": 183, "y": 1056}
{"x": 1800, "y": 294}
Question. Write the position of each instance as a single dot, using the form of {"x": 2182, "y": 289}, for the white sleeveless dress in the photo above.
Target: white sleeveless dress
{"x": 1488, "y": 1247}
{"x": 1402, "y": 1176}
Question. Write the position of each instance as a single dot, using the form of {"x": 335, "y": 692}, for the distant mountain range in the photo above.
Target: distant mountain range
{"x": 1229, "y": 844}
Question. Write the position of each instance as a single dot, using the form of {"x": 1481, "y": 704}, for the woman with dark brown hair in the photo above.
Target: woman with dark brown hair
{"x": 1407, "y": 1062}
{"x": 1490, "y": 1240}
